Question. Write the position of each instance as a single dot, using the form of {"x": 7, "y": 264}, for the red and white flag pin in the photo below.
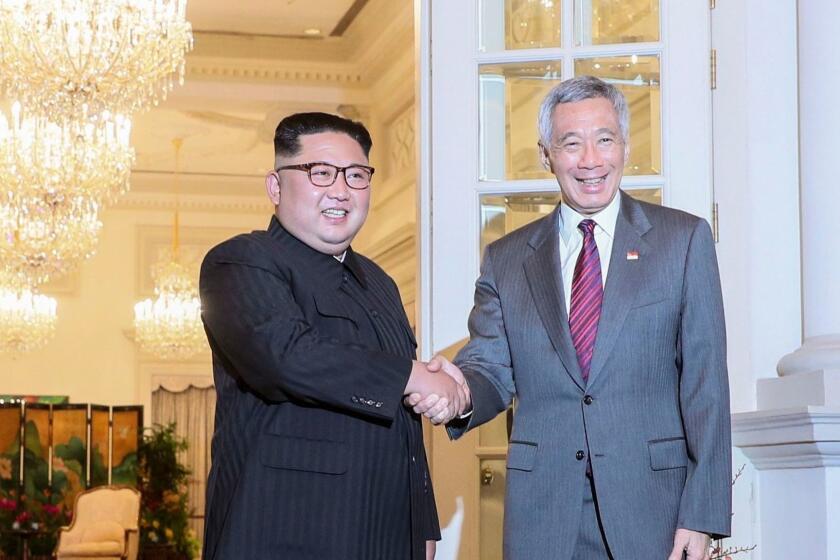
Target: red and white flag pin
{"x": 632, "y": 255}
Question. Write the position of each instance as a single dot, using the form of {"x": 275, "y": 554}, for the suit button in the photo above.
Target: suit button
{"x": 580, "y": 455}
{"x": 374, "y": 313}
{"x": 344, "y": 278}
{"x": 587, "y": 399}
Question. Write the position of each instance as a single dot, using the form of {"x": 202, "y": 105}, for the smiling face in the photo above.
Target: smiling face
{"x": 586, "y": 153}
{"x": 325, "y": 218}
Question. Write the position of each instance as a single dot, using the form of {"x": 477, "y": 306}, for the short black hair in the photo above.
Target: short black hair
{"x": 290, "y": 129}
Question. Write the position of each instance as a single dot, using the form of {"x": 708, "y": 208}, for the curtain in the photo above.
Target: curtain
{"x": 192, "y": 409}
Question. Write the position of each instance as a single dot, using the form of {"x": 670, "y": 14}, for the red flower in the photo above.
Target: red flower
{"x": 7, "y": 504}
{"x": 52, "y": 510}
{"x": 23, "y": 517}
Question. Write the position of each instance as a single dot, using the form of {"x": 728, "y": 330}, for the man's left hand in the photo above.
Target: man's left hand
{"x": 694, "y": 543}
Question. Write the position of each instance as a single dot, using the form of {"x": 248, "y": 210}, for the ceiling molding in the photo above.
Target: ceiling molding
{"x": 348, "y": 18}
{"x": 222, "y": 69}
{"x": 393, "y": 89}
{"x": 254, "y": 46}
{"x": 382, "y": 30}
{"x": 377, "y": 41}
{"x": 204, "y": 203}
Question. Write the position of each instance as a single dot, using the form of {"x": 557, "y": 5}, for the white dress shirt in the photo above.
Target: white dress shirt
{"x": 571, "y": 241}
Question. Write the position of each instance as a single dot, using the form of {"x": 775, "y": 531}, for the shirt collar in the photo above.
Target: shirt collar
{"x": 351, "y": 261}
{"x": 605, "y": 219}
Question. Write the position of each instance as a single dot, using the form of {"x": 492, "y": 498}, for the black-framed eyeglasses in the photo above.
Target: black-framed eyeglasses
{"x": 322, "y": 174}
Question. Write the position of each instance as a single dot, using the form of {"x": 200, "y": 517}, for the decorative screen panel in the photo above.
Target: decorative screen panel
{"x": 99, "y": 445}
{"x": 69, "y": 457}
{"x": 10, "y": 423}
{"x": 36, "y": 451}
{"x": 126, "y": 434}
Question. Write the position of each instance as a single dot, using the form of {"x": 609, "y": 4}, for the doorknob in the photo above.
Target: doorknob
{"x": 487, "y": 476}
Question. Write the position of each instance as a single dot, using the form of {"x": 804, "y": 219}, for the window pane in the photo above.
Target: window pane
{"x": 503, "y": 213}
{"x": 637, "y": 76}
{"x": 602, "y": 22}
{"x": 519, "y": 24}
{"x": 509, "y": 100}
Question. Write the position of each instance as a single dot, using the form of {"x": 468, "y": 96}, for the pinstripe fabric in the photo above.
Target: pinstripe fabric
{"x": 590, "y": 544}
{"x": 314, "y": 455}
{"x": 653, "y": 419}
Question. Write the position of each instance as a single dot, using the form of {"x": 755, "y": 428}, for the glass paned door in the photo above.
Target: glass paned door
{"x": 509, "y": 97}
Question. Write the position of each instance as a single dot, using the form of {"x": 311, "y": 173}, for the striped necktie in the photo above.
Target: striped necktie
{"x": 587, "y": 294}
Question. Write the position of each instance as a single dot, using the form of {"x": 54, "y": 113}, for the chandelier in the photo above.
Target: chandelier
{"x": 27, "y": 320}
{"x": 74, "y": 58}
{"x": 170, "y": 325}
{"x": 54, "y": 179}
{"x": 90, "y": 157}
{"x": 46, "y": 236}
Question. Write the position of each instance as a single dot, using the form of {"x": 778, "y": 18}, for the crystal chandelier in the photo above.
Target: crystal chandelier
{"x": 46, "y": 236}
{"x": 27, "y": 320}
{"x": 90, "y": 157}
{"x": 74, "y": 58}
{"x": 54, "y": 179}
{"x": 170, "y": 325}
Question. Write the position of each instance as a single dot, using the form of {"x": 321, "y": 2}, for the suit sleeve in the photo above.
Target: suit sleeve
{"x": 485, "y": 360}
{"x": 254, "y": 324}
{"x": 706, "y": 503}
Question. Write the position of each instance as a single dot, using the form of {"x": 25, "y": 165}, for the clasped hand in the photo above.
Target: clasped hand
{"x": 437, "y": 390}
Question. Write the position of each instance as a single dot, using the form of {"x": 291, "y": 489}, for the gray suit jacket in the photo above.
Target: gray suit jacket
{"x": 654, "y": 417}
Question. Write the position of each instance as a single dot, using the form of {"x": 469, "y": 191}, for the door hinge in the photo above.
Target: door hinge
{"x": 715, "y": 222}
{"x": 711, "y": 4}
{"x": 714, "y": 69}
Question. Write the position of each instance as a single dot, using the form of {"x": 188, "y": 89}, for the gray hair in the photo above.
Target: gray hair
{"x": 580, "y": 89}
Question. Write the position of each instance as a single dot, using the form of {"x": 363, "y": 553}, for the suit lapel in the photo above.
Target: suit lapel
{"x": 623, "y": 279}
{"x": 542, "y": 270}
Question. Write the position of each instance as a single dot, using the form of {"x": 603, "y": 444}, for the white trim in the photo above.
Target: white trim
{"x": 533, "y": 55}
{"x": 793, "y": 438}
{"x": 423, "y": 151}
{"x": 634, "y": 182}
{"x": 788, "y": 425}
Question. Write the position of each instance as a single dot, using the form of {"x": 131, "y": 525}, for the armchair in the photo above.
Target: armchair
{"x": 104, "y": 526}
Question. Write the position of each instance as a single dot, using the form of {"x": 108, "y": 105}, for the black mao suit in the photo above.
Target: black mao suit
{"x": 314, "y": 456}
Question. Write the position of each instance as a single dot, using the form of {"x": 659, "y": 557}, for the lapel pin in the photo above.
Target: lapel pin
{"x": 632, "y": 255}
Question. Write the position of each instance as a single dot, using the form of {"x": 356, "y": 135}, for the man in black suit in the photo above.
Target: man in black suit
{"x": 314, "y": 456}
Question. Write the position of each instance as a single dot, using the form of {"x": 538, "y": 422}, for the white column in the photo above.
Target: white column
{"x": 811, "y": 374}
{"x": 793, "y": 439}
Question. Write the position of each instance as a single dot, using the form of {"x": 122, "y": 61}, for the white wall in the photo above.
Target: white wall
{"x": 757, "y": 189}
{"x": 92, "y": 357}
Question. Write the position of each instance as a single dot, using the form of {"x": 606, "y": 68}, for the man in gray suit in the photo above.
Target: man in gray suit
{"x": 605, "y": 321}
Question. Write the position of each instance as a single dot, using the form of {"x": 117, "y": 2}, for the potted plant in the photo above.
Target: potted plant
{"x": 164, "y": 513}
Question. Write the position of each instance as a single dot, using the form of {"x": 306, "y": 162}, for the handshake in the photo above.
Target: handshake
{"x": 437, "y": 390}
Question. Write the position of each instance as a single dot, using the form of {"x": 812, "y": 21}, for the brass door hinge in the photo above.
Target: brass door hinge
{"x": 711, "y": 4}
{"x": 714, "y": 69}
{"x": 715, "y": 222}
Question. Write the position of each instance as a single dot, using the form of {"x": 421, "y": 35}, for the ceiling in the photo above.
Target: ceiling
{"x": 288, "y": 18}
{"x": 249, "y": 69}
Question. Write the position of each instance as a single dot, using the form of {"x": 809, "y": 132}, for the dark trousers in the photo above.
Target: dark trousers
{"x": 591, "y": 541}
